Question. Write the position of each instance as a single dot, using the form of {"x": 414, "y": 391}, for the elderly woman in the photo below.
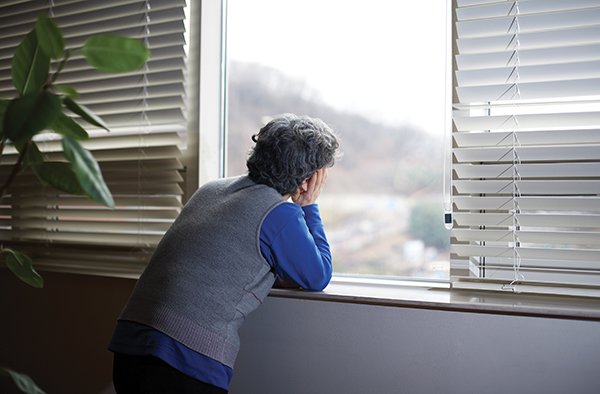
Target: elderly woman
{"x": 235, "y": 237}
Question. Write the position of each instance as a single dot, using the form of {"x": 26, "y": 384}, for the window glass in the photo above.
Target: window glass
{"x": 374, "y": 71}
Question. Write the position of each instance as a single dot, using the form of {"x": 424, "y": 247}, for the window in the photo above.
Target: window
{"x": 527, "y": 147}
{"x": 141, "y": 158}
{"x": 376, "y": 73}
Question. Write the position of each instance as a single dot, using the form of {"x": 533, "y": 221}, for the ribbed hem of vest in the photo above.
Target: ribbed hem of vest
{"x": 180, "y": 328}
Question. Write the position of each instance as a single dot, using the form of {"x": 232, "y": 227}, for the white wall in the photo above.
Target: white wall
{"x": 58, "y": 336}
{"x": 302, "y": 346}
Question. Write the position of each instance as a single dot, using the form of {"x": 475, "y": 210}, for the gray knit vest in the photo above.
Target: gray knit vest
{"x": 207, "y": 274}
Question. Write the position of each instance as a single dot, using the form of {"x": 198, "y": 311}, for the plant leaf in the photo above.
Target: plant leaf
{"x": 59, "y": 175}
{"x": 30, "y": 65}
{"x": 65, "y": 125}
{"x": 49, "y": 36}
{"x": 87, "y": 171}
{"x": 110, "y": 53}
{"x": 68, "y": 90}
{"x": 85, "y": 113}
{"x": 28, "y": 115}
{"x": 33, "y": 155}
{"x": 23, "y": 382}
{"x": 21, "y": 266}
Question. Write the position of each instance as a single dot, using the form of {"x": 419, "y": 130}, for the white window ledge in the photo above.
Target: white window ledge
{"x": 439, "y": 295}
{"x": 408, "y": 294}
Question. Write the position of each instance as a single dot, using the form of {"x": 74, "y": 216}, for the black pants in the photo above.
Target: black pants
{"x": 151, "y": 375}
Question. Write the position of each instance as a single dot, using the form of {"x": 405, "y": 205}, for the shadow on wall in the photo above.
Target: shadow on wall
{"x": 59, "y": 335}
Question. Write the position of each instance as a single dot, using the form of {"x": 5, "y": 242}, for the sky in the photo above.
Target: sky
{"x": 380, "y": 58}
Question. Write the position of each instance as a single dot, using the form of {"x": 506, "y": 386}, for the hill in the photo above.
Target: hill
{"x": 378, "y": 158}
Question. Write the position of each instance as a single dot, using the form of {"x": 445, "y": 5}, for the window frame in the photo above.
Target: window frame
{"x": 363, "y": 283}
{"x": 128, "y": 264}
{"x": 205, "y": 160}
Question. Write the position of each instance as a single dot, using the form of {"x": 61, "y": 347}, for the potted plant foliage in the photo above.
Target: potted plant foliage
{"x": 42, "y": 106}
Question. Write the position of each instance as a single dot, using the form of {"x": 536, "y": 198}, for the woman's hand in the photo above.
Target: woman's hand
{"x": 311, "y": 189}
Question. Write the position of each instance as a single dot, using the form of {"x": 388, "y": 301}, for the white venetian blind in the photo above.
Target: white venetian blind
{"x": 526, "y": 146}
{"x": 140, "y": 156}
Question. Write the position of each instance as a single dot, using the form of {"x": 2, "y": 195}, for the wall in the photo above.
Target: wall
{"x": 299, "y": 346}
{"x": 59, "y": 335}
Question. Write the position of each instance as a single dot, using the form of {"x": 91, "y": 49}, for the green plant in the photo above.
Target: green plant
{"x": 23, "y": 382}
{"x": 425, "y": 223}
{"x": 40, "y": 107}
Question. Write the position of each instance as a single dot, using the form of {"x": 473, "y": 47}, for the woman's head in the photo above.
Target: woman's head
{"x": 290, "y": 149}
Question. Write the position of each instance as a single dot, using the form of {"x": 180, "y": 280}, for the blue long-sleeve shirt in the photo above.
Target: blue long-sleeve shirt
{"x": 292, "y": 240}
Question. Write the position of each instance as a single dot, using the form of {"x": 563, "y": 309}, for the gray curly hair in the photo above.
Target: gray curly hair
{"x": 290, "y": 149}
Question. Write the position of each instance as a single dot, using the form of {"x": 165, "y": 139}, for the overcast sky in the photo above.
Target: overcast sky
{"x": 381, "y": 58}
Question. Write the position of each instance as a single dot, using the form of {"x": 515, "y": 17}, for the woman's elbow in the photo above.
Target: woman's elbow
{"x": 321, "y": 284}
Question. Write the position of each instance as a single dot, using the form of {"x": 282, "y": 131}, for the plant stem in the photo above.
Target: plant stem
{"x": 15, "y": 170}
{"x": 2, "y": 145}
{"x": 60, "y": 67}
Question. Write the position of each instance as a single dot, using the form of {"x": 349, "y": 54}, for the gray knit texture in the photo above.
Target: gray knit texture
{"x": 207, "y": 274}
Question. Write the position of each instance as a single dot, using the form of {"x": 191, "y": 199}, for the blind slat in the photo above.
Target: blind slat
{"x": 84, "y": 24}
{"x": 148, "y": 201}
{"x": 525, "y": 8}
{"x": 591, "y": 255}
{"x": 534, "y": 187}
{"x": 527, "y": 41}
{"x": 530, "y": 91}
{"x": 140, "y": 156}
{"x": 547, "y": 237}
{"x": 141, "y": 178}
{"x": 89, "y": 74}
{"x": 530, "y": 57}
{"x": 110, "y": 141}
{"x": 552, "y": 72}
{"x": 117, "y": 261}
{"x": 558, "y": 288}
{"x": 544, "y": 219}
{"x": 114, "y": 84}
{"x": 550, "y": 170}
{"x": 586, "y": 281}
{"x": 537, "y": 203}
{"x": 167, "y": 90}
{"x": 118, "y": 188}
{"x": 96, "y": 214}
{"x": 527, "y": 121}
{"x": 99, "y": 226}
{"x": 120, "y": 155}
{"x": 87, "y": 238}
{"x": 528, "y": 23}
{"x": 528, "y": 153}
{"x": 546, "y": 137}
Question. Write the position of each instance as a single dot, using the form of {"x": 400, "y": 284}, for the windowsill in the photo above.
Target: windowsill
{"x": 438, "y": 295}
{"x": 415, "y": 294}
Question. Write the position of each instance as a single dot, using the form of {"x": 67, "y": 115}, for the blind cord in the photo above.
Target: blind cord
{"x": 144, "y": 123}
{"x": 50, "y": 8}
{"x": 516, "y": 177}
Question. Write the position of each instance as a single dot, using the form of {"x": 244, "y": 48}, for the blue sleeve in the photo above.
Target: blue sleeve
{"x": 292, "y": 239}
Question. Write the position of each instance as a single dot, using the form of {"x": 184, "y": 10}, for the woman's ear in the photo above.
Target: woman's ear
{"x": 301, "y": 189}
{"x": 304, "y": 185}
